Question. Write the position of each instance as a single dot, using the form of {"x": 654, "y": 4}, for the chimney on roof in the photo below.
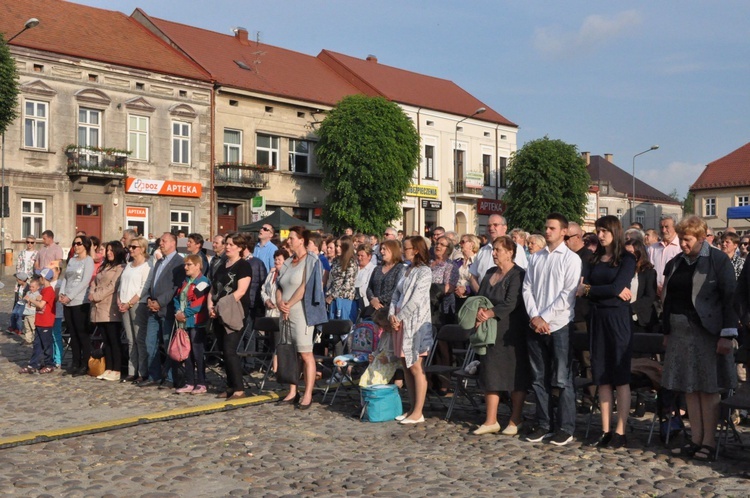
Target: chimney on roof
{"x": 586, "y": 157}
{"x": 372, "y": 58}
{"x": 241, "y": 34}
{"x": 608, "y": 157}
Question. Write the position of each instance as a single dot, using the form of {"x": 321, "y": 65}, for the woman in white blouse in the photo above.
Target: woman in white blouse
{"x": 131, "y": 301}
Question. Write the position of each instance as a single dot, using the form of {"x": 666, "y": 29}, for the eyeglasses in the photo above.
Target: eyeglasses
{"x": 744, "y": 243}
{"x": 265, "y": 229}
{"x": 133, "y": 247}
{"x": 568, "y": 237}
{"x": 30, "y": 242}
{"x": 408, "y": 248}
{"x": 443, "y": 245}
{"x": 78, "y": 243}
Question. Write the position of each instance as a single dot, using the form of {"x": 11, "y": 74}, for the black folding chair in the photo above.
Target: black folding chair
{"x": 258, "y": 343}
{"x": 450, "y": 334}
{"x": 332, "y": 333}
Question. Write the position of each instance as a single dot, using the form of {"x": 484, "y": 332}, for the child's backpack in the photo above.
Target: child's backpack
{"x": 364, "y": 338}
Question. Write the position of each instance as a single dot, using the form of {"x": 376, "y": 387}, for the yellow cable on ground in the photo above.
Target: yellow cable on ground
{"x": 44, "y": 436}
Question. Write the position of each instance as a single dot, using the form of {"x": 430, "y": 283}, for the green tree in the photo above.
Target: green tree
{"x": 545, "y": 176}
{"x": 688, "y": 204}
{"x": 368, "y": 151}
{"x": 8, "y": 86}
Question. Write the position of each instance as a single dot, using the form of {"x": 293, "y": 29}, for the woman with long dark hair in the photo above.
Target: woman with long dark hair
{"x": 410, "y": 318}
{"x": 642, "y": 288}
{"x": 607, "y": 286}
{"x": 341, "y": 293}
{"x": 104, "y": 311}
{"x": 74, "y": 296}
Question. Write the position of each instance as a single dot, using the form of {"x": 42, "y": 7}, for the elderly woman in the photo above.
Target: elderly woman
{"x": 469, "y": 248}
{"x": 104, "y": 311}
{"x": 131, "y": 300}
{"x": 409, "y": 314}
{"x": 607, "y": 285}
{"x": 386, "y": 276}
{"x": 73, "y": 295}
{"x": 231, "y": 279}
{"x": 299, "y": 275}
{"x": 701, "y": 323}
{"x": 340, "y": 295}
{"x": 268, "y": 292}
{"x": 505, "y": 366}
{"x": 730, "y": 242}
{"x": 535, "y": 243}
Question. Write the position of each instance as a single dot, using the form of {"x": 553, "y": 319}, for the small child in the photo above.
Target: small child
{"x": 41, "y": 356}
{"x": 16, "y": 316}
{"x": 383, "y": 361}
{"x": 29, "y": 311}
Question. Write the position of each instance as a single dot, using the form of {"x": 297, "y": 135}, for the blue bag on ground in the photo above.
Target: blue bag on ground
{"x": 380, "y": 403}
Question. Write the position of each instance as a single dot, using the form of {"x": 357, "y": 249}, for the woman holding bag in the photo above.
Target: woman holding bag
{"x": 300, "y": 306}
{"x": 104, "y": 311}
{"x": 191, "y": 313}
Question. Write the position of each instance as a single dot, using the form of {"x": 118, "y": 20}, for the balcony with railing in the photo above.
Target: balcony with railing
{"x": 460, "y": 189}
{"x": 241, "y": 175}
{"x": 96, "y": 162}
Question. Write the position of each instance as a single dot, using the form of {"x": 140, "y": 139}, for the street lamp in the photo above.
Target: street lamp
{"x": 455, "y": 165}
{"x": 632, "y": 197}
{"x": 31, "y": 23}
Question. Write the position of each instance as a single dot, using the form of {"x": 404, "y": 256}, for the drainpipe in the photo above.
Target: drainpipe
{"x": 212, "y": 167}
{"x": 419, "y": 177}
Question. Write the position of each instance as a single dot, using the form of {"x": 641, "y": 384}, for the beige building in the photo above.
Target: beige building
{"x": 724, "y": 184}
{"x": 110, "y": 134}
{"x": 612, "y": 194}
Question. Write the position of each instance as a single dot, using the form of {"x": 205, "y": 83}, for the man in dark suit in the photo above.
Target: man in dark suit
{"x": 166, "y": 276}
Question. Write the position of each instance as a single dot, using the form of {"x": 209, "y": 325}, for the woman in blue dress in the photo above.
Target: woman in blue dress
{"x": 607, "y": 286}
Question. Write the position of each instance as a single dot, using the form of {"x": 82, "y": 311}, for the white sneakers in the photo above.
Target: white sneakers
{"x": 109, "y": 375}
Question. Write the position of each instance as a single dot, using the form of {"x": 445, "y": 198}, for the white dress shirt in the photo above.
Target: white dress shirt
{"x": 549, "y": 288}
{"x": 660, "y": 254}
{"x": 483, "y": 261}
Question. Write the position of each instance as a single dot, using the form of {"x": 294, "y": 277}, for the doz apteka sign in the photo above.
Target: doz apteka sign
{"x": 162, "y": 187}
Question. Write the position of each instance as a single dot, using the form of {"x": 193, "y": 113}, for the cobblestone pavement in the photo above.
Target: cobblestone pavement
{"x": 268, "y": 450}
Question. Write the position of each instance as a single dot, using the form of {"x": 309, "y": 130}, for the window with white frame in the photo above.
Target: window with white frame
{"x": 179, "y": 221}
{"x": 299, "y": 156}
{"x": 267, "y": 150}
{"x": 232, "y": 146}
{"x": 89, "y": 133}
{"x": 709, "y": 206}
{"x": 180, "y": 142}
{"x": 603, "y": 211}
{"x": 429, "y": 162}
{"x": 640, "y": 216}
{"x": 32, "y": 217}
{"x": 138, "y": 137}
{"x": 743, "y": 200}
{"x": 35, "y": 119}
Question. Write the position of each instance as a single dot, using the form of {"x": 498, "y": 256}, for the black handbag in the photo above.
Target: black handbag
{"x": 287, "y": 370}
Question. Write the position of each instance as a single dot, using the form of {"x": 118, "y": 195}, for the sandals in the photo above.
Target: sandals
{"x": 688, "y": 451}
{"x": 46, "y": 370}
{"x": 705, "y": 454}
{"x": 27, "y": 370}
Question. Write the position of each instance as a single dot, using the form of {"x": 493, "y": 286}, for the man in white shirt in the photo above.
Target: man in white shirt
{"x": 549, "y": 293}
{"x": 664, "y": 250}
{"x": 496, "y": 227}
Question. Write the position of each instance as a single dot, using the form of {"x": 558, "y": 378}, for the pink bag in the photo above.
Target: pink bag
{"x": 179, "y": 346}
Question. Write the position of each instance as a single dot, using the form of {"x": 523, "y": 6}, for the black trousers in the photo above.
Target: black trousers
{"x": 228, "y": 345}
{"x": 77, "y": 322}
{"x": 112, "y": 338}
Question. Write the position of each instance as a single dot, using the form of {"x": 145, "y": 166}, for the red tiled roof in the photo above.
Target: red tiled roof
{"x": 271, "y": 70}
{"x": 602, "y": 170}
{"x": 406, "y": 87}
{"x": 732, "y": 170}
{"x": 89, "y": 33}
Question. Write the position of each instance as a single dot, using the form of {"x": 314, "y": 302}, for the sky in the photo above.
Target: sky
{"x": 609, "y": 77}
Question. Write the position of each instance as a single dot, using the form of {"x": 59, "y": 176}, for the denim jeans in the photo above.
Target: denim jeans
{"x": 551, "y": 361}
{"x": 158, "y": 331}
{"x": 16, "y": 317}
{"x": 58, "y": 348}
{"x": 194, "y": 361}
{"x": 42, "y": 352}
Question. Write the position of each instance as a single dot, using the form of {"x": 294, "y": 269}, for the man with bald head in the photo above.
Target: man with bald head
{"x": 496, "y": 227}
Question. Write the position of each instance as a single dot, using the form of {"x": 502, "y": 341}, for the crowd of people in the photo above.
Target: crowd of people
{"x": 523, "y": 295}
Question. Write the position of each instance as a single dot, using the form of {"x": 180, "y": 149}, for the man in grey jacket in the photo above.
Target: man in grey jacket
{"x": 165, "y": 278}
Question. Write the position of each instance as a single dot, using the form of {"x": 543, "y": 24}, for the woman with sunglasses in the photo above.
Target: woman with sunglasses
{"x": 131, "y": 301}
{"x": 105, "y": 312}
{"x": 74, "y": 296}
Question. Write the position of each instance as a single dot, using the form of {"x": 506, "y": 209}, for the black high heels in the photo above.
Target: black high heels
{"x": 291, "y": 401}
